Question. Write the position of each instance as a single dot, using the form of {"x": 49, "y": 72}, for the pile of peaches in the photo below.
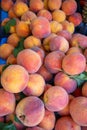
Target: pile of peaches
{"x": 43, "y": 85}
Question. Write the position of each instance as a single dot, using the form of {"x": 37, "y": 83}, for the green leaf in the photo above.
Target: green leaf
{"x": 19, "y": 47}
{"x": 16, "y": 119}
{"x": 7, "y": 126}
{"x": 10, "y": 23}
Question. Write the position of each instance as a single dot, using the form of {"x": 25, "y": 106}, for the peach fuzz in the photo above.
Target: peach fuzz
{"x": 79, "y": 40}
{"x": 52, "y": 98}
{"x": 69, "y": 6}
{"x": 75, "y": 18}
{"x": 53, "y": 61}
{"x": 59, "y": 43}
{"x": 48, "y": 122}
{"x": 46, "y": 42}
{"x": 35, "y": 6}
{"x": 58, "y": 15}
{"x": 28, "y": 16}
{"x": 84, "y": 89}
{"x": 55, "y": 26}
{"x": 34, "y": 128}
{"x": 45, "y": 13}
{"x": 65, "y": 111}
{"x": 74, "y": 50}
{"x": 22, "y": 29}
{"x": 6, "y": 99}
{"x": 15, "y": 37}
{"x": 66, "y": 123}
{"x": 20, "y": 8}
{"x": 63, "y": 80}
{"x": 11, "y": 59}
{"x": 6, "y": 50}
{"x": 45, "y": 73}
{"x": 78, "y": 110}
{"x": 40, "y": 27}
{"x": 25, "y": 57}
{"x": 35, "y": 85}
{"x": 70, "y": 63}
{"x": 30, "y": 111}
{"x": 6, "y": 4}
{"x": 14, "y": 78}
{"x": 32, "y": 41}
{"x": 54, "y": 4}
{"x": 66, "y": 34}
{"x": 69, "y": 26}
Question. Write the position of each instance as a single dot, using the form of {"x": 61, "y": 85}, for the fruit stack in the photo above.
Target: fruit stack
{"x": 43, "y": 66}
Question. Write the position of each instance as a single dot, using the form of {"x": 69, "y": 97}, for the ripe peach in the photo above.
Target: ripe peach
{"x": 11, "y": 59}
{"x": 48, "y": 121}
{"x": 75, "y": 18}
{"x": 63, "y": 80}
{"x": 47, "y": 86}
{"x": 54, "y": 4}
{"x": 40, "y": 27}
{"x": 22, "y": 29}
{"x": 6, "y": 50}
{"x": 70, "y": 63}
{"x": 25, "y": 57}
{"x": 66, "y": 34}
{"x": 66, "y": 123}
{"x": 53, "y": 61}
{"x": 32, "y": 41}
{"x": 34, "y": 128}
{"x": 78, "y": 110}
{"x": 20, "y": 8}
{"x": 14, "y": 78}
{"x": 6, "y": 4}
{"x": 30, "y": 111}
{"x": 55, "y": 26}
{"x": 45, "y": 13}
{"x": 14, "y": 42}
{"x": 59, "y": 43}
{"x": 35, "y": 85}
{"x": 55, "y": 98}
{"x": 84, "y": 89}
{"x": 11, "y": 13}
{"x": 35, "y": 6}
{"x": 74, "y": 50}
{"x": 69, "y": 6}
{"x": 7, "y": 102}
{"x": 85, "y": 53}
{"x": 58, "y": 15}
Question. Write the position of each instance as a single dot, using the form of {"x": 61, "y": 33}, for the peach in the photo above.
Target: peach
{"x": 20, "y": 8}
{"x": 55, "y": 26}
{"x": 30, "y": 111}
{"x": 69, "y": 26}
{"x": 11, "y": 59}
{"x": 6, "y": 4}
{"x": 6, "y": 99}
{"x": 11, "y": 13}
{"x": 14, "y": 42}
{"x": 66, "y": 34}
{"x": 48, "y": 122}
{"x": 55, "y": 98}
{"x": 45, "y": 13}
{"x": 66, "y": 6}
{"x": 75, "y": 18}
{"x": 70, "y": 63}
{"x": 53, "y": 61}
{"x": 54, "y": 4}
{"x": 47, "y": 86}
{"x": 35, "y": 6}
{"x": 79, "y": 40}
{"x": 1, "y": 68}
{"x": 34, "y": 128}
{"x": 58, "y": 15}
{"x": 74, "y": 50}
{"x": 84, "y": 88}
{"x": 63, "y": 80}
{"x": 85, "y": 53}
{"x": 35, "y": 85}
{"x": 22, "y": 29}
{"x": 14, "y": 78}
{"x": 32, "y": 41}
{"x": 6, "y": 50}
{"x": 45, "y": 73}
{"x": 25, "y": 57}
{"x": 59, "y": 43}
{"x": 66, "y": 123}
{"x": 28, "y": 16}
{"x": 78, "y": 110}
{"x": 40, "y": 27}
